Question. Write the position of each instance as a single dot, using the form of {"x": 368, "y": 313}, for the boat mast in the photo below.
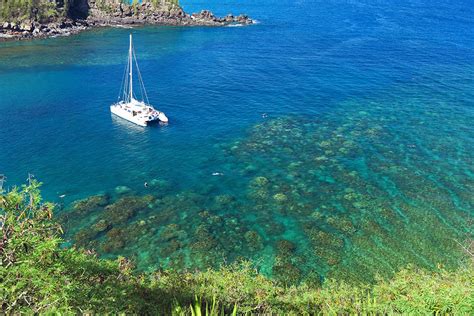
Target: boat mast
{"x": 130, "y": 66}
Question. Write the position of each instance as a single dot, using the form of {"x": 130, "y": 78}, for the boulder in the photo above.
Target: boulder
{"x": 122, "y": 189}
{"x": 65, "y": 24}
{"x": 127, "y": 11}
{"x": 27, "y": 26}
{"x": 243, "y": 19}
{"x": 177, "y": 12}
{"x": 6, "y": 25}
{"x": 204, "y": 15}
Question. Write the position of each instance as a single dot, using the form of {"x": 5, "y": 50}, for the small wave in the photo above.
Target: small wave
{"x": 61, "y": 35}
{"x": 235, "y": 25}
{"x": 121, "y": 26}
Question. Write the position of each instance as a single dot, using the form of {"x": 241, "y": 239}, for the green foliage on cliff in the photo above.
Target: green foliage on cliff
{"x": 46, "y": 10}
{"x": 38, "y": 275}
{"x": 40, "y": 10}
{"x": 159, "y": 3}
{"x": 104, "y": 5}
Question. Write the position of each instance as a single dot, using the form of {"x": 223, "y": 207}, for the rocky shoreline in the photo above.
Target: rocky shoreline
{"x": 118, "y": 14}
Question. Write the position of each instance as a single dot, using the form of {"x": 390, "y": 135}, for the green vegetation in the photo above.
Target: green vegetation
{"x": 159, "y": 2}
{"x": 39, "y": 10}
{"x": 134, "y": 6}
{"x": 48, "y": 10}
{"x": 38, "y": 275}
{"x": 104, "y": 5}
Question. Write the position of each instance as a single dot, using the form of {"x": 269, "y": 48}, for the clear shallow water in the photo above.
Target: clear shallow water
{"x": 366, "y": 153}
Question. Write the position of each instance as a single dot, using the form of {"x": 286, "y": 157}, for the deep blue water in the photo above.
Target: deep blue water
{"x": 404, "y": 69}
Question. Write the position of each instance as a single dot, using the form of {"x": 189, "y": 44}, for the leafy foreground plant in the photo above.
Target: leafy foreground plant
{"x": 213, "y": 309}
{"x": 38, "y": 275}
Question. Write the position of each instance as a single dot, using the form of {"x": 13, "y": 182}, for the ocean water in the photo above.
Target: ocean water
{"x": 331, "y": 139}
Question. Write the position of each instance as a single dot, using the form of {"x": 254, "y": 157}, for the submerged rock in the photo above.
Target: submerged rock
{"x": 280, "y": 197}
{"x": 101, "y": 226}
{"x": 125, "y": 208}
{"x": 90, "y": 204}
{"x": 259, "y": 181}
{"x": 122, "y": 189}
{"x": 286, "y": 272}
{"x": 285, "y": 247}
{"x": 115, "y": 240}
{"x": 254, "y": 240}
{"x": 158, "y": 184}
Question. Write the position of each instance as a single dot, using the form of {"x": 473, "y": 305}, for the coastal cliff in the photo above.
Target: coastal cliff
{"x": 20, "y": 19}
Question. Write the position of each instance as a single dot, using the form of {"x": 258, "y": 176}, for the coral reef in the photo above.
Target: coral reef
{"x": 345, "y": 195}
{"x": 90, "y": 204}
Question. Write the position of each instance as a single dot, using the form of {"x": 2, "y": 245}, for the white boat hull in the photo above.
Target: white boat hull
{"x": 125, "y": 115}
{"x": 138, "y": 112}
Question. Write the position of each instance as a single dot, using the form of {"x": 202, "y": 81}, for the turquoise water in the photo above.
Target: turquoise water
{"x": 362, "y": 163}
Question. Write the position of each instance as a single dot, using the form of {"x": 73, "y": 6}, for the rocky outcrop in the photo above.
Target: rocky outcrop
{"x": 33, "y": 29}
{"x": 207, "y": 17}
{"x": 84, "y": 14}
{"x": 147, "y": 13}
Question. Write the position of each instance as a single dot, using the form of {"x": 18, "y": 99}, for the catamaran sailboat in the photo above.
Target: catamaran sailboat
{"x": 128, "y": 107}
